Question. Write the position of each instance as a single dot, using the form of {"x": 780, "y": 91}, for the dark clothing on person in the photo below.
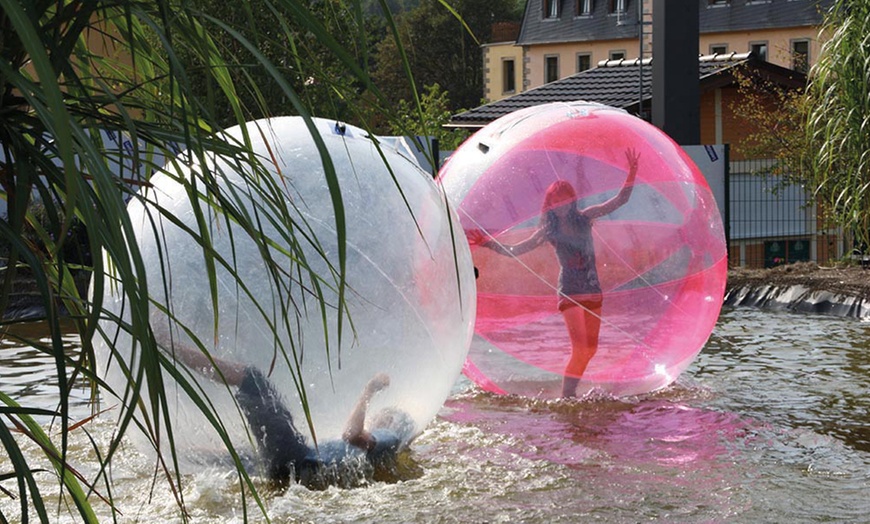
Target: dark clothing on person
{"x": 283, "y": 450}
{"x": 575, "y": 250}
{"x": 279, "y": 443}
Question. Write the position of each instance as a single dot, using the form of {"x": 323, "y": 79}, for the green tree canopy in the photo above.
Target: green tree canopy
{"x": 442, "y": 49}
{"x": 435, "y": 113}
{"x": 283, "y": 34}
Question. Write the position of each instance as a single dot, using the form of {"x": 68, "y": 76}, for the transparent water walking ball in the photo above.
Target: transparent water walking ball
{"x": 659, "y": 258}
{"x": 407, "y": 309}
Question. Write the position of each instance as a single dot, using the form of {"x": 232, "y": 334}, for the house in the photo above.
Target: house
{"x": 767, "y": 223}
{"x": 627, "y": 84}
{"x": 558, "y": 38}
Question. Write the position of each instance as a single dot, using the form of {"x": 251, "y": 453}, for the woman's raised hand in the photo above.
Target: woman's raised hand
{"x": 632, "y": 156}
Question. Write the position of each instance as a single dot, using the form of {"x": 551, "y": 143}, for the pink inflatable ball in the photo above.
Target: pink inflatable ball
{"x": 660, "y": 258}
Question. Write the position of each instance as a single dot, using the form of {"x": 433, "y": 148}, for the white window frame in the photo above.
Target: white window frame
{"x": 551, "y": 9}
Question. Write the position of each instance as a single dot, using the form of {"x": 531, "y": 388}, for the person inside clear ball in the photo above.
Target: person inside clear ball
{"x": 362, "y": 453}
{"x": 569, "y": 230}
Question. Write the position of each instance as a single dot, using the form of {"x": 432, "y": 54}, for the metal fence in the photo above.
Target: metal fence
{"x": 770, "y": 222}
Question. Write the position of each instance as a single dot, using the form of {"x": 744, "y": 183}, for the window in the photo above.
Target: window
{"x": 584, "y": 8}
{"x": 551, "y": 9}
{"x": 584, "y": 61}
{"x": 551, "y": 68}
{"x": 717, "y": 3}
{"x": 800, "y": 55}
{"x": 759, "y": 49}
{"x": 617, "y": 55}
{"x": 718, "y": 49}
{"x": 508, "y": 75}
{"x": 617, "y": 6}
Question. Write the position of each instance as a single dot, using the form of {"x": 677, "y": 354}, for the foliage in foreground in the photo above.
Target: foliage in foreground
{"x": 72, "y": 71}
{"x": 839, "y": 117}
{"x": 820, "y": 137}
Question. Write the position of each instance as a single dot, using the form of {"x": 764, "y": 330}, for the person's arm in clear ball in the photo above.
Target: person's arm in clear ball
{"x": 355, "y": 433}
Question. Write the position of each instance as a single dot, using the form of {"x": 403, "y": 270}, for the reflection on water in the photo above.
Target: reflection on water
{"x": 770, "y": 424}
{"x": 27, "y": 372}
{"x": 803, "y": 371}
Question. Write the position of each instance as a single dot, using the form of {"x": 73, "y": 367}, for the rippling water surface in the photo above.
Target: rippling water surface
{"x": 770, "y": 424}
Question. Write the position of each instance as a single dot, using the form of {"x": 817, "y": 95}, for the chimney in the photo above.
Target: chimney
{"x": 676, "y": 95}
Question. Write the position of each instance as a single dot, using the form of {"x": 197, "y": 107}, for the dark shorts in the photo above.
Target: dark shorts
{"x": 589, "y": 302}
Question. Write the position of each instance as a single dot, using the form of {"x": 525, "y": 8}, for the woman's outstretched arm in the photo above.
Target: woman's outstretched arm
{"x": 622, "y": 197}
{"x": 524, "y": 246}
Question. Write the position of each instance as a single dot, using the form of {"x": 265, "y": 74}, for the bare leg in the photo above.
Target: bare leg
{"x": 354, "y": 432}
{"x": 583, "y": 328}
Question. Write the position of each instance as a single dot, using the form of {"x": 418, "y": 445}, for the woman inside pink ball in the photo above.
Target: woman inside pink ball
{"x": 569, "y": 230}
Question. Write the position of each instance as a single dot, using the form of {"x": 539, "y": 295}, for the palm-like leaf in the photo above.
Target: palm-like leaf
{"x": 73, "y": 70}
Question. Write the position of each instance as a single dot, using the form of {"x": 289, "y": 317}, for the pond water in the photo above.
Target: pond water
{"x": 770, "y": 424}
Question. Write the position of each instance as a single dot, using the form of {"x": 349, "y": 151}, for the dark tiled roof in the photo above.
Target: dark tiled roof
{"x": 743, "y": 15}
{"x": 616, "y": 83}
{"x": 568, "y": 28}
{"x": 736, "y": 15}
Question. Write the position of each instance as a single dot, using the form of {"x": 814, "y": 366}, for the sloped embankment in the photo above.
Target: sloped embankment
{"x": 803, "y": 287}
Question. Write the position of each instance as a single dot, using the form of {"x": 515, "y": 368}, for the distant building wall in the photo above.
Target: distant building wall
{"x": 494, "y": 57}
{"x": 719, "y": 124}
{"x": 567, "y": 54}
{"x": 779, "y": 43}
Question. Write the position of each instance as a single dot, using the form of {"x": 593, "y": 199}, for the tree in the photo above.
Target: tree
{"x": 326, "y": 87}
{"x": 69, "y": 71}
{"x": 775, "y": 119}
{"x": 434, "y": 104}
{"x": 442, "y": 48}
{"x": 839, "y": 117}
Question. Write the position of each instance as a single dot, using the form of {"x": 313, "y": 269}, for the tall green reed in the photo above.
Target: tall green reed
{"x": 72, "y": 70}
{"x": 839, "y": 117}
